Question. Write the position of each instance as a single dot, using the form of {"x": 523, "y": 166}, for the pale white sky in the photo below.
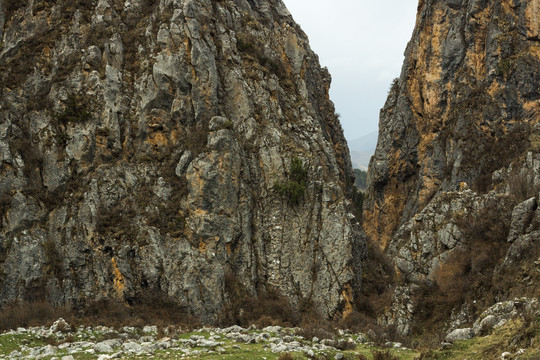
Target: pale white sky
{"x": 362, "y": 44}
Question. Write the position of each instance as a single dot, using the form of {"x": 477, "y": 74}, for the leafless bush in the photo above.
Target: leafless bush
{"x": 285, "y": 356}
{"x": 384, "y": 355}
{"x": 16, "y": 315}
{"x": 268, "y": 308}
{"x": 522, "y": 186}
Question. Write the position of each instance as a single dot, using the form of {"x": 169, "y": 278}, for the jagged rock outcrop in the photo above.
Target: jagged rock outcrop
{"x": 140, "y": 147}
{"x": 456, "y": 172}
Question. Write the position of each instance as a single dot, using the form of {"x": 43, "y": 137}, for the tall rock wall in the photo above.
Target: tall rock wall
{"x": 463, "y": 107}
{"x": 151, "y": 146}
{"x": 458, "y": 147}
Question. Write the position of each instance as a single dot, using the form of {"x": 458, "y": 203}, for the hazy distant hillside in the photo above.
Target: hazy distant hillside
{"x": 362, "y": 149}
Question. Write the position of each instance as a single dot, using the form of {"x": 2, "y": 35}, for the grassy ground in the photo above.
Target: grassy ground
{"x": 229, "y": 350}
{"x": 521, "y": 338}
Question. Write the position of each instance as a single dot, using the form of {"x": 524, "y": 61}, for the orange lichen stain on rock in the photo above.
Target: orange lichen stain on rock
{"x": 508, "y": 6}
{"x": 424, "y": 91}
{"x": 534, "y": 108}
{"x": 535, "y": 50}
{"x": 347, "y": 295}
{"x": 476, "y": 58}
{"x": 229, "y": 249}
{"x": 175, "y": 136}
{"x": 532, "y": 14}
{"x": 381, "y": 222}
{"x": 415, "y": 89}
{"x": 202, "y": 246}
{"x": 494, "y": 89}
{"x": 158, "y": 138}
{"x": 200, "y": 212}
{"x": 119, "y": 280}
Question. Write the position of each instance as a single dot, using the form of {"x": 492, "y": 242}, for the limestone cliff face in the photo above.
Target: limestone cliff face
{"x": 462, "y": 108}
{"x": 458, "y": 137}
{"x": 140, "y": 145}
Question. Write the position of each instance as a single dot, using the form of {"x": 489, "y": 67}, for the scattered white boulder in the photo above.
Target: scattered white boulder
{"x": 60, "y": 325}
{"x": 103, "y": 347}
{"x": 150, "y": 330}
{"x": 132, "y": 347}
{"x": 460, "y": 334}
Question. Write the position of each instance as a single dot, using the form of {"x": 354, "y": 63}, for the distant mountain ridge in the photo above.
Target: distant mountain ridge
{"x": 362, "y": 149}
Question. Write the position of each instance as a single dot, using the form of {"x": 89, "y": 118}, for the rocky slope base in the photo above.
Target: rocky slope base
{"x": 103, "y": 343}
{"x": 180, "y": 147}
{"x": 453, "y": 187}
{"x": 513, "y": 332}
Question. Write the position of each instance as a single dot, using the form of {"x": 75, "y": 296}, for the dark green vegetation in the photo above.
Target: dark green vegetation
{"x": 360, "y": 179}
{"x": 253, "y": 47}
{"x": 76, "y": 109}
{"x": 358, "y": 191}
{"x": 294, "y": 187}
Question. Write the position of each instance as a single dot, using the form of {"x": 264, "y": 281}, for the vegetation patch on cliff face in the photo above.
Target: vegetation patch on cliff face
{"x": 252, "y": 46}
{"x": 294, "y": 187}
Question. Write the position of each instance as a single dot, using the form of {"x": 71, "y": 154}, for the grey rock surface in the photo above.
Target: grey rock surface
{"x": 460, "y": 334}
{"x": 139, "y": 150}
{"x": 454, "y": 183}
{"x": 522, "y": 216}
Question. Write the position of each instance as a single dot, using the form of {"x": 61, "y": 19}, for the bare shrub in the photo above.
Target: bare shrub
{"x": 314, "y": 325}
{"x": 5, "y": 202}
{"x": 285, "y": 356}
{"x": 151, "y": 308}
{"x": 269, "y": 307}
{"x": 196, "y": 137}
{"x": 384, "y": 355}
{"x": 16, "y": 315}
{"x": 522, "y": 186}
{"x": 375, "y": 295}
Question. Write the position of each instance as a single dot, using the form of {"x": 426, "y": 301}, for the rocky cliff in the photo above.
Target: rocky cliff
{"x": 453, "y": 185}
{"x": 172, "y": 146}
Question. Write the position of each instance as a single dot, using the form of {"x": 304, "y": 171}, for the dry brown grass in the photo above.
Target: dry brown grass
{"x": 384, "y": 355}
{"x": 151, "y": 308}
{"x": 28, "y": 314}
{"x": 268, "y": 308}
{"x": 468, "y": 274}
{"x": 285, "y": 356}
{"x": 522, "y": 186}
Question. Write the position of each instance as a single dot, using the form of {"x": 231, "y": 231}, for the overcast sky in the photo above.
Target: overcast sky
{"x": 362, "y": 44}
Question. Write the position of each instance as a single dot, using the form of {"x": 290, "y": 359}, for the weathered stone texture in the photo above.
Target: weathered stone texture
{"x": 464, "y": 106}
{"x": 140, "y": 142}
{"x": 457, "y": 164}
